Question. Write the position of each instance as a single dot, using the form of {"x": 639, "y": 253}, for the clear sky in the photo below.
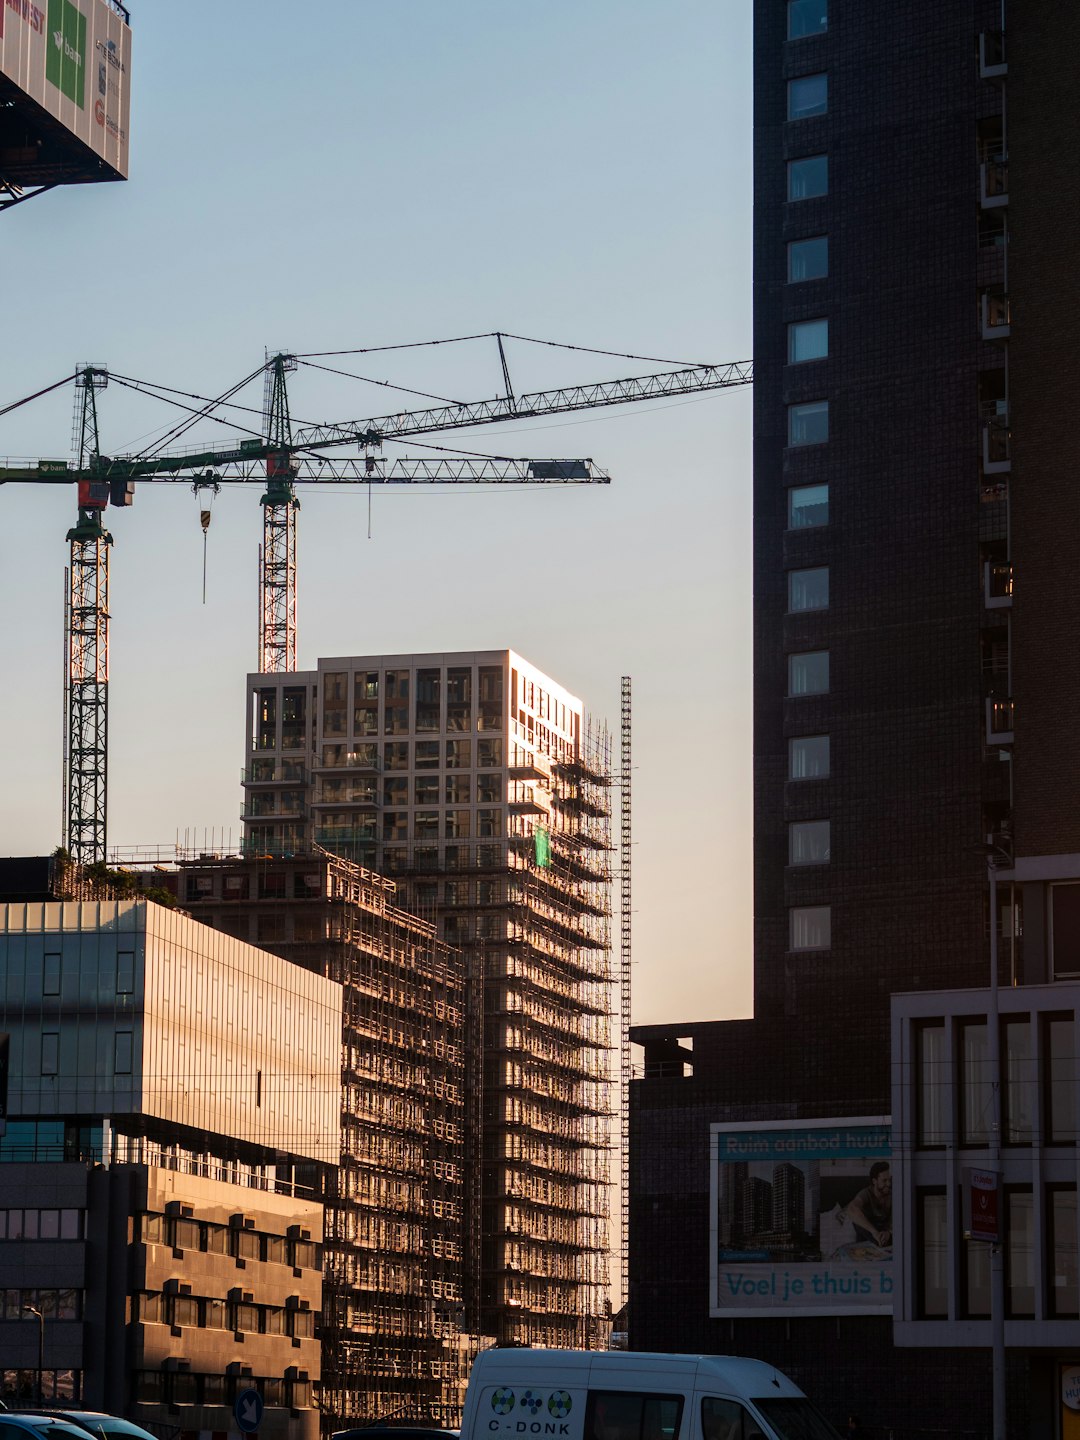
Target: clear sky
{"x": 327, "y": 176}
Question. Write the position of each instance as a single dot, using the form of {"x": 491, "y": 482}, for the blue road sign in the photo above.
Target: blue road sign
{"x": 248, "y": 1410}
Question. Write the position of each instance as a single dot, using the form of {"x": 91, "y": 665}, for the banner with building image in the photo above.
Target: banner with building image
{"x": 801, "y": 1218}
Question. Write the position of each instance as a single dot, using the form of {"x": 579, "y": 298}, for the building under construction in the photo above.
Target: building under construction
{"x": 394, "y": 1325}
{"x": 482, "y": 787}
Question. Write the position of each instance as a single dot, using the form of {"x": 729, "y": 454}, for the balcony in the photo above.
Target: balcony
{"x": 999, "y": 722}
{"x": 992, "y": 62}
{"x": 270, "y": 772}
{"x": 997, "y": 584}
{"x": 351, "y": 798}
{"x": 262, "y": 807}
{"x": 994, "y": 182}
{"x": 349, "y": 760}
{"x": 335, "y": 835}
{"x": 994, "y": 317}
{"x": 996, "y": 449}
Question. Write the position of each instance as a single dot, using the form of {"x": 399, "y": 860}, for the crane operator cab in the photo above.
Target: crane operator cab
{"x": 519, "y": 1394}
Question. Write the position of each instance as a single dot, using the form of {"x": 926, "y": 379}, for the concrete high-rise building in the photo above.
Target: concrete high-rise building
{"x": 914, "y": 608}
{"x": 173, "y": 1100}
{"x": 481, "y": 786}
{"x": 393, "y": 1323}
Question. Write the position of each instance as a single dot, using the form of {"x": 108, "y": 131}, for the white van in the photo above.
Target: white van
{"x": 629, "y": 1395}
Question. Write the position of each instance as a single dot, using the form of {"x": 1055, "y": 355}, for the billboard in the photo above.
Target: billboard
{"x": 72, "y": 60}
{"x": 801, "y": 1218}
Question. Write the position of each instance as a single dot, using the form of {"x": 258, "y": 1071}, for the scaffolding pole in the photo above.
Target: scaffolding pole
{"x": 625, "y": 914}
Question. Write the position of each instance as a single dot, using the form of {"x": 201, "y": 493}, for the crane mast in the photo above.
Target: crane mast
{"x": 88, "y": 642}
{"x": 277, "y": 587}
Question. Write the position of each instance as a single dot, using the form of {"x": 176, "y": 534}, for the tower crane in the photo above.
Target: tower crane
{"x": 282, "y": 457}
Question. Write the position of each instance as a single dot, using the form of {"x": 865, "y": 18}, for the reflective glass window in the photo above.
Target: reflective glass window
{"x": 808, "y": 177}
{"x": 810, "y": 927}
{"x": 808, "y": 506}
{"x": 808, "y": 589}
{"x": 808, "y": 842}
{"x": 808, "y": 95}
{"x": 808, "y": 423}
{"x": 808, "y": 673}
{"x": 807, "y": 340}
{"x": 807, "y": 17}
{"x": 808, "y": 757}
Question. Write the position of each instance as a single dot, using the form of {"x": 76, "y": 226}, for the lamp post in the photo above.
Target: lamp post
{"x": 30, "y": 1310}
{"x": 997, "y": 1257}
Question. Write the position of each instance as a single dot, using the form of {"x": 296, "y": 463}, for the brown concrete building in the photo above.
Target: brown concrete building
{"x": 394, "y": 1322}
{"x": 174, "y": 1101}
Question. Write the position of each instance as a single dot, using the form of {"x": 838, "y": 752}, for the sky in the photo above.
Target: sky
{"x": 354, "y": 174}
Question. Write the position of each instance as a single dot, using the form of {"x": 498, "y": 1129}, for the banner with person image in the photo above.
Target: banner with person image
{"x": 801, "y": 1218}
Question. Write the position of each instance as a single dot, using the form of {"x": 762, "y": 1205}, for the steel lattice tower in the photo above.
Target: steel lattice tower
{"x": 88, "y": 646}
{"x": 277, "y": 581}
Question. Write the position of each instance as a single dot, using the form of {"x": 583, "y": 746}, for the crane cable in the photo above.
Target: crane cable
{"x": 36, "y": 395}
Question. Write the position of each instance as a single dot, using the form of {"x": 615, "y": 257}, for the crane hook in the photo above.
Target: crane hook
{"x": 208, "y": 482}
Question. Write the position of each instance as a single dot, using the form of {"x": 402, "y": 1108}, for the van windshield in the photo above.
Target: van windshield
{"x": 795, "y": 1419}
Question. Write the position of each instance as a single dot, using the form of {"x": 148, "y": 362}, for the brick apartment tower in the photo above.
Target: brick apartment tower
{"x": 915, "y": 603}
{"x": 481, "y": 786}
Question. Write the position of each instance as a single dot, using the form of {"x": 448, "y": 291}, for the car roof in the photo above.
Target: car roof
{"x": 40, "y": 1420}
{"x": 92, "y": 1420}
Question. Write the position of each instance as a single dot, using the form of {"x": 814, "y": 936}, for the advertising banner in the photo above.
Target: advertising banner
{"x": 73, "y": 59}
{"x": 981, "y": 1204}
{"x": 802, "y": 1218}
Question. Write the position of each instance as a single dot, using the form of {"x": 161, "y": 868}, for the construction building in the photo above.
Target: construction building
{"x": 482, "y": 787}
{"x": 173, "y": 1105}
{"x": 915, "y": 609}
{"x": 394, "y": 1335}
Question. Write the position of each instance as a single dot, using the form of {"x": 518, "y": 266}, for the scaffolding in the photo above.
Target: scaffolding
{"x": 485, "y": 791}
{"x": 395, "y": 1342}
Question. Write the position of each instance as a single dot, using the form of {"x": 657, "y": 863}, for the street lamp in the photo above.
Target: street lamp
{"x": 994, "y": 855}
{"x": 30, "y": 1310}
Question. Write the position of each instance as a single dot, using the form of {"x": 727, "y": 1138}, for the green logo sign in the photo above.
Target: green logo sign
{"x": 65, "y": 56}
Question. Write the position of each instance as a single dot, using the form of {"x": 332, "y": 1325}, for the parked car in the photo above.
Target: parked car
{"x": 16, "y": 1425}
{"x": 92, "y": 1422}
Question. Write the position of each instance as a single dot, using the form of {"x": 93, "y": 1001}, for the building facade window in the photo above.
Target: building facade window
{"x": 808, "y": 423}
{"x": 975, "y": 1279}
{"x": 976, "y": 1088}
{"x": 810, "y": 927}
{"x": 1019, "y": 1252}
{"x": 808, "y": 842}
{"x": 50, "y": 976}
{"x": 125, "y": 972}
{"x": 122, "y": 1053}
{"x": 808, "y": 673}
{"x": 808, "y": 757}
{"x": 1020, "y": 1090}
{"x": 808, "y": 506}
{"x": 808, "y": 95}
{"x": 807, "y": 259}
{"x": 50, "y": 1052}
{"x": 808, "y": 177}
{"x": 1059, "y": 1048}
{"x": 932, "y": 1248}
{"x": 807, "y": 17}
{"x": 807, "y": 340}
{"x": 1064, "y": 1288}
{"x": 808, "y": 589}
{"x": 931, "y": 1085}
{"x": 1065, "y": 930}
